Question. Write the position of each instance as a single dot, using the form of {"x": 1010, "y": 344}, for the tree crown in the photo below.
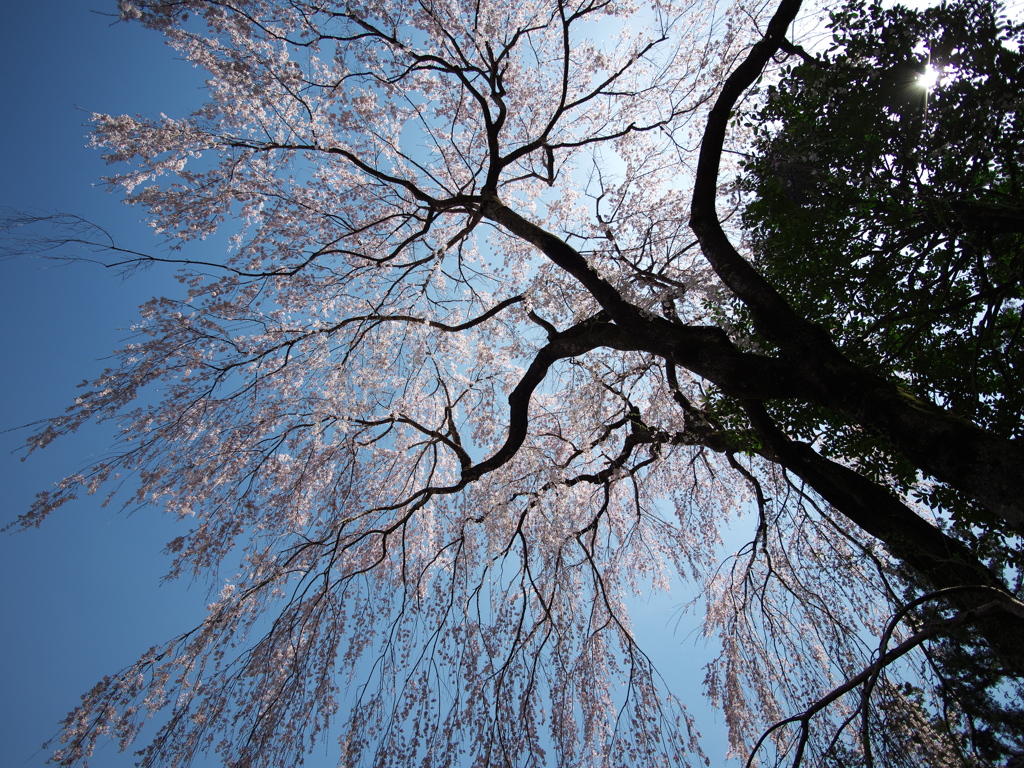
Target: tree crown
{"x": 449, "y": 399}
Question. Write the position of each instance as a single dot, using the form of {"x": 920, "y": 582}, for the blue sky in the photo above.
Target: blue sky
{"x": 80, "y": 597}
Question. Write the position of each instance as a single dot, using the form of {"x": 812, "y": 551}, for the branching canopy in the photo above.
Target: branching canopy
{"x": 450, "y": 392}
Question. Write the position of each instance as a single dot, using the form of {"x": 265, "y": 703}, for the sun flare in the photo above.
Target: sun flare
{"x": 929, "y": 78}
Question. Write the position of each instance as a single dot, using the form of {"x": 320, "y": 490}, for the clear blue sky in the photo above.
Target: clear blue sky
{"x": 79, "y": 598}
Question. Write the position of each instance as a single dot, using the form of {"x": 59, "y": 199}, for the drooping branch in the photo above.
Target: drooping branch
{"x": 1000, "y": 605}
{"x": 944, "y": 562}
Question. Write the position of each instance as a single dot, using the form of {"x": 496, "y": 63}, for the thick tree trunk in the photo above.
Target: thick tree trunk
{"x": 940, "y": 560}
{"x": 981, "y": 465}
{"x": 811, "y": 368}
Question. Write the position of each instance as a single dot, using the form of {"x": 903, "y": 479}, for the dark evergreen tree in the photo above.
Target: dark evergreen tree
{"x": 886, "y": 205}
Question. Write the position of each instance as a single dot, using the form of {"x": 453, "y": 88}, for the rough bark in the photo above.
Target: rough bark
{"x": 987, "y": 468}
{"x": 940, "y": 560}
